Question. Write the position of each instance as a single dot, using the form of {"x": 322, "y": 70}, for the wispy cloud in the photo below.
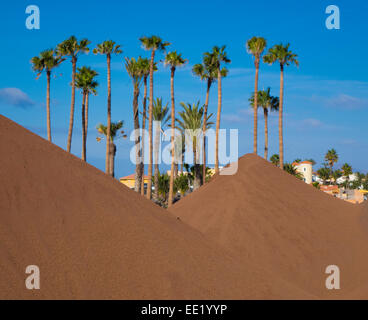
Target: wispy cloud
{"x": 311, "y": 122}
{"x": 15, "y": 97}
{"x": 349, "y": 142}
{"x": 344, "y": 101}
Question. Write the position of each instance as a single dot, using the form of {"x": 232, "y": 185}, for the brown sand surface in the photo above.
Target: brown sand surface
{"x": 93, "y": 238}
{"x": 278, "y": 222}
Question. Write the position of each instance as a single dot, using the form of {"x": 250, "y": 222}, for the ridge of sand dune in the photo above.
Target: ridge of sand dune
{"x": 274, "y": 220}
{"x": 93, "y": 238}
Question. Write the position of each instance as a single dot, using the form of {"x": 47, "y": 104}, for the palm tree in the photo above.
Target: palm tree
{"x": 135, "y": 71}
{"x": 72, "y": 48}
{"x": 182, "y": 183}
{"x": 46, "y": 61}
{"x": 324, "y": 173}
{"x": 335, "y": 174}
{"x": 115, "y": 133}
{"x": 347, "y": 170}
{"x": 191, "y": 120}
{"x": 289, "y": 168}
{"x": 145, "y": 67}
{"x": 160, "y": 114}
{"x": 256, "y": 46}
{"x": 153, "y": 43}
{"x": 207, "y": 72}
{"x": 284, "y": 57}
{"x": 268, "y": 103}
{"x": 215, "y": 58}
{"x": 331, "y": 158}
{"x": 84, "y": 80}
{"x": 174, "y": 60}
{"x": 163, "y": 189}
{"x": 108, "y": 48}
{"x": 275, "y": 159}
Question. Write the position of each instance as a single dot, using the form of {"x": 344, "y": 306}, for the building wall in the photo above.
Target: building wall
{"x": 306, "y": 170}
{"x": 130, "y": 182}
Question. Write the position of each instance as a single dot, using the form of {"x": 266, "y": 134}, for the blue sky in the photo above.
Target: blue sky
{"x": 326, "y": 103}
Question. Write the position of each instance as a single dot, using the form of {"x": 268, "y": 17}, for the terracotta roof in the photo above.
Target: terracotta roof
{"x": 302, "y": 162}
{"x": 306, "y": 162}
{"x": 329, "y": 188}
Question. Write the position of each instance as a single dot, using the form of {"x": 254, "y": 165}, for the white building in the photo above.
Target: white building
{"x": 306, "y": 169}
{"x": 342, "y": 179}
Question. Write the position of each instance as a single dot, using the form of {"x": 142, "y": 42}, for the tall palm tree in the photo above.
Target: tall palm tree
{"x": 134, "y": 69}
{"x": 174, "y": 60}
{"x": 115, "y": 133}
{"x": 268, "y": 103}
{"x": 145, "y": 67}
{"x": 160, "y": 114}
{"x": 215, "y": 58}
{"x": 256, "y": 46}
{"x": 284, "y": 57}
{"x": 72, "y": 48}
{"x": 206, "y": 71}
{"x": 331, "y": 158}
{"x": 108, "y": 48}
{"x": 190, "y": 121}
{"x": 46, "y": 61}
{"x": 347, "y": 170}
{"x": 85, "y": 81}
{"x": 153, "y": 43}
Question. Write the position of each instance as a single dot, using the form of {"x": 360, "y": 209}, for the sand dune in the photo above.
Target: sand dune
{"x": 93, "y": 238}
{"x": 276, "y": 221}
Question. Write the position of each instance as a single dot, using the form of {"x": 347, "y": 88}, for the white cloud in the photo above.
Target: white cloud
{"x": 15, "y": 97}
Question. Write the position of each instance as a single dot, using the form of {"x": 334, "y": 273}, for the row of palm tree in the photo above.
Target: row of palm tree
{"x": 268, "y": 103}
{"x": 193, "y": 116}
{"x": 278, "y": 53}
{"x": 82, "y": 78}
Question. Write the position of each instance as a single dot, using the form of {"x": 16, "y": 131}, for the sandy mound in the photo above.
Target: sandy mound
{"x": 282, "y": 224}
{"x": 94, "y": 238}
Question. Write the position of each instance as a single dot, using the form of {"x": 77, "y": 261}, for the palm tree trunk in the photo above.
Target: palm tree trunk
{"x": 157, "y": 146}
{"x": 84, "y": 127}
{"x": 138, "y": 173}
{"x": 281, "y": 142}
{"x": 149, "y": 183}
{"x": 108, "y": 135}
{"x": 87, "y": 104}
{"x": 112, "y": 158}
{"x": 218, "y": 120}
{"x": 255, "y": 131}
{"x": 143, "y": 130}
{"x": 204, "y": 131}
{"x": 182, "y": 162}
{"x": 171, "y": 186}
{"x": 48, "y": 106}
{"x": 265, "y": 112}
{"x": 71, "y": 118}
{"x": 196, "y": 166}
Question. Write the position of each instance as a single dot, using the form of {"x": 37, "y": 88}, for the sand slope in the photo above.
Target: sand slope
{"x": 94, "y": 238}
{"x": 276, "y": 221}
